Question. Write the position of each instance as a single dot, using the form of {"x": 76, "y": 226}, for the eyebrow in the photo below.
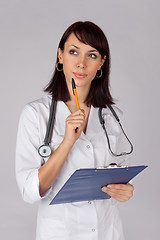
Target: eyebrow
{"x": 79, "y": 48}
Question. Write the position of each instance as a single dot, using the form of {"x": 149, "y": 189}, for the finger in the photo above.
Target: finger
{"x": 123, "y": 187}
{"x": 75, "y": 125}
{"x": 119, "y": 197}
{"x": 113, "y": 192}
{"x": 75, "y": 122}
{"x": 120, "y": 188}
{"x": 118, "y": 194}
{"x": 77, "y": 117}
{"x": 79, "y": 112}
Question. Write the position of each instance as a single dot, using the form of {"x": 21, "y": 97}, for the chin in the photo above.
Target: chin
{"x": 83, "y": 85}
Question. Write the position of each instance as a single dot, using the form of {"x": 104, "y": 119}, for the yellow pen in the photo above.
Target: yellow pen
{"x": 75, "y": 93}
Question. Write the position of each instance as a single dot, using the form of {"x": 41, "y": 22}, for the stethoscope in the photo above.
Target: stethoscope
{"x": 45, "y": 149}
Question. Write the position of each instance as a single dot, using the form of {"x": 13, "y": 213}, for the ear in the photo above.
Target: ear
{"x": 102, "y": 62}
{"x": 60, "y": 55}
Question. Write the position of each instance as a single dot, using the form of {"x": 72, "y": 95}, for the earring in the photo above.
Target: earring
{"x": 58, "y": 68}
{"x": 100, "y": 73}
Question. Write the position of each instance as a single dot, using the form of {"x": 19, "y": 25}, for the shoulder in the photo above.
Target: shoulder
{"x": 38, "y": 106}
{"x": 117, "y": 110}
{"x": 39, "y": 103}
{"x": 43, "y": 102}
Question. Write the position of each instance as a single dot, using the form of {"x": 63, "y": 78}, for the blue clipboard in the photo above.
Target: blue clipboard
{"x": 86, "y": 184}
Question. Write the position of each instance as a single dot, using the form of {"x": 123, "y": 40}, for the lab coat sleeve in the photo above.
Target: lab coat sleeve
{"x": 28, "y": 160}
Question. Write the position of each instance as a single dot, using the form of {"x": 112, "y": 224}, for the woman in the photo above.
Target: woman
{"x": 78, "y": 141}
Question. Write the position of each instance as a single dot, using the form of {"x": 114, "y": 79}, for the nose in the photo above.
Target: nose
{"x": 81, "y": 62}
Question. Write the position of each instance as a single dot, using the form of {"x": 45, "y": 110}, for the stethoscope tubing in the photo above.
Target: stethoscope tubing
{"x": 103, "y": 126}
{"x": 46, "y": 145}
{"x": 50, "y": 124}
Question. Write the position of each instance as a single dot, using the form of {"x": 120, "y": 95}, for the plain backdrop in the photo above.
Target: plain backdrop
{"x": 29, "y": 35}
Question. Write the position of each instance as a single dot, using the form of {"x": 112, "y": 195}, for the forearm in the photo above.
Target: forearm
{"x": 49, "y": 171}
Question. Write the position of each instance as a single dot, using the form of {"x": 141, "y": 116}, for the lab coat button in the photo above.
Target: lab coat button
{"x": 93, "y": 230}
{"x": 89, "y": 202}
{"x": 88, "y": 146}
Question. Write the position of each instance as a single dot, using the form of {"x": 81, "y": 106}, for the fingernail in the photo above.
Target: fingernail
{"x": 104, "y": 189}
{"x": 109, "y": 186}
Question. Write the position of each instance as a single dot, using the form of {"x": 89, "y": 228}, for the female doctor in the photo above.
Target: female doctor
{"x": 78, "y": 141}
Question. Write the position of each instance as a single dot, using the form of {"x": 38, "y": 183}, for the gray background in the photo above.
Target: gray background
{"x": 29, "y": 35}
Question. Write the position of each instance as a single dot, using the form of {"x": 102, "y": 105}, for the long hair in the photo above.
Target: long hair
{"x": 99, "y": 94}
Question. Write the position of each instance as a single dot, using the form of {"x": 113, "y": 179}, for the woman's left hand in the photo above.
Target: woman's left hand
{"x": 120, "y": 192}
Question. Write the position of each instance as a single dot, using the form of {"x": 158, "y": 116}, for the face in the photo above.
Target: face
{"x": 80, "y": 61}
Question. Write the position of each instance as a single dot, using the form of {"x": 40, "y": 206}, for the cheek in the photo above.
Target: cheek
{"x": 67, "y": 63}
{"x": 94, "y": 69}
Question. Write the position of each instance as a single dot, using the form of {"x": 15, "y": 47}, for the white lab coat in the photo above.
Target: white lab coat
{"x": 96, "y": 220}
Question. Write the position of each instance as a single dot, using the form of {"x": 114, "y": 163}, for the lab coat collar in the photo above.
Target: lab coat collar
{"x": 93, "y": 129}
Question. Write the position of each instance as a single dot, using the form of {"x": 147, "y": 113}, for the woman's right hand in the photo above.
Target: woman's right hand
{"x": 74, "y": 127}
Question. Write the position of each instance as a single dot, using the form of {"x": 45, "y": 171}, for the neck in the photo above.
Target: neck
{"x": 82, "y": 93}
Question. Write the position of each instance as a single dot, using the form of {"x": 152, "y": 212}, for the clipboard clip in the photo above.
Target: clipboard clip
{"x": 113, "y": 165}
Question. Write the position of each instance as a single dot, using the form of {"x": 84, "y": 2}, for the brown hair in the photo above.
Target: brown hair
{"x": 99, "y": 94}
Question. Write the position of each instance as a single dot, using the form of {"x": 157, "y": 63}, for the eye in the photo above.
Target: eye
{"x": 73, "y": 52}
{"x": 94, "y": 56}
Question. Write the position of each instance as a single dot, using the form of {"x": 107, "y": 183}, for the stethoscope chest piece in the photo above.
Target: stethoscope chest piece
{"x": 44, "y": 151}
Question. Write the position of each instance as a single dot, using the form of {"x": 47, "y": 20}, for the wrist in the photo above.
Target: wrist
{"x": 66, "y": 144}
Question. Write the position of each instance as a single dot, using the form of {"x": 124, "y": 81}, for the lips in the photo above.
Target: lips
{"x": 80, "y": 75}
